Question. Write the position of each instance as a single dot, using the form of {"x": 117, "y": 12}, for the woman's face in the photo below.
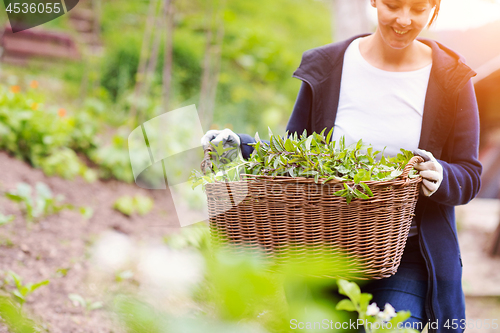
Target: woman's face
{"x": 401, "y": 21}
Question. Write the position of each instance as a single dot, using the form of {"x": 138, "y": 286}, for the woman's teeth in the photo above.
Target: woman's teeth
{"x": 401, "y": 32}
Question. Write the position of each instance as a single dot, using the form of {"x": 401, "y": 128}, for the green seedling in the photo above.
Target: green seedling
{"x": 87, "y": 305}
{"x": 87, "y": 212}
{"x": 6, "y": 241}
{"x": 35, "y": 206}
{"x": 22, "y": 291}
{"x": 130, "y": 205}
{"x": 43, "y": 203}
{"x": 124, "y": 275}
{"x": 4, "y": 219}
{"x": 62, "y": 272}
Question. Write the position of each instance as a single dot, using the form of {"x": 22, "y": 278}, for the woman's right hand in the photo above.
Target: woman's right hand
{"x": 229, "y": 140}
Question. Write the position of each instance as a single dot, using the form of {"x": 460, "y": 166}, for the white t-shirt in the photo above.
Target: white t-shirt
{"x": 383, "y": 108}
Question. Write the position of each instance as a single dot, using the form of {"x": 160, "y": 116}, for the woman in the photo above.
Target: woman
{"x": 392, "y": 89}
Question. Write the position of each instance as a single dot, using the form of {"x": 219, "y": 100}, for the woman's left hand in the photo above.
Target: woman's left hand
{"x": 431, "y": 172}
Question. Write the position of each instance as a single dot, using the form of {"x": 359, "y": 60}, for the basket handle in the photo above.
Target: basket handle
{"x": 411, "y": 163}
{"x": 206, "y": 164}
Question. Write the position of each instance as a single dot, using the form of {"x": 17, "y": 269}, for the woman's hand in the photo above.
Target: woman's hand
{"x": 226, "y": 138}
{"x": 431, "y": 172}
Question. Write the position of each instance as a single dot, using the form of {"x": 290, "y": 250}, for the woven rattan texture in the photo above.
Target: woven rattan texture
{"x": 286, "y": 216}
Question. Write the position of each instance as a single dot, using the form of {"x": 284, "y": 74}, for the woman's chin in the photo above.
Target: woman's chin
{"x": 398, "y": 44}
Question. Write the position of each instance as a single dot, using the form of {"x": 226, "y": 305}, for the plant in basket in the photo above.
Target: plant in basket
{"x": 314, "y": 156}
{"x": 309, "y": 193}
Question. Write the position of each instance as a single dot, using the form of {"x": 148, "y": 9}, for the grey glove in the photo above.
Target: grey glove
{"x": 226, "y": 143}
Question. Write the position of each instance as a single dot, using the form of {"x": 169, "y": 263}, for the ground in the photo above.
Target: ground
{"x": 481, "y": 273}
{"x": 38, "y": 250}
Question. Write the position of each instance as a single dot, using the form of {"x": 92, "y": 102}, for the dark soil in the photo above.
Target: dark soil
{"x": 36, "y": 251}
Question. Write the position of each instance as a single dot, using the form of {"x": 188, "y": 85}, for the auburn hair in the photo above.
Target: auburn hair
{"x": 436, "y": 4}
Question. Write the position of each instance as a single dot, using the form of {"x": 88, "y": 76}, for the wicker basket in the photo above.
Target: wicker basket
{"x": 283, "y": 215}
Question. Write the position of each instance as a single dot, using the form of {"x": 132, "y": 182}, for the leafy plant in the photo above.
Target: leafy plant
{"x": 36, "y": 206}
{"x": 243, "y": 292}
{"x": 32, "y": 131}
{"x": 373, "y": 319}
{"x": 65, "y": 163}
{"x": 87, "y": 305}
{"x": 62, "y": 272}
{"x": 49, "y": 137}
{"x": 130, "y": 205}
{"x": 22, "y": 291}
{"x": 113, "y": 159}
{"x": 13, "y": 316}
{"x": 193, "y": 236}
{"x": 314, "y": 156}
{"x": 27, "y": 128}
{"x": 124, "y": 275}
{"x": 6, "y": 241}
{"x": 87, "y": 212}
{"x": 4, "y": 219}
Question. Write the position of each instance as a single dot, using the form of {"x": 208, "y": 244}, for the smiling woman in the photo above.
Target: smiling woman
{"x": 394, "y": 90}
{"x": 393, "y": 46}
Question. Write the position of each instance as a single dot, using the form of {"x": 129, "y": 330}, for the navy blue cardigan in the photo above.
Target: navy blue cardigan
{"x": 450, "y": 131}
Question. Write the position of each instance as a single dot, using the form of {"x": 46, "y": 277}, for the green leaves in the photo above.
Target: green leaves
{"x": 138, "y": 204}
{"x": 349, "y": 289}
{"x": 345, "y": 305}
{"x": 374, "y": 320}
{"x": 317, "y": 157}
{"x": 4, "y": 219}
{"x": 21, "y": 290}
{"x": 78, "y": 300}
{"x": 42, "y": 204}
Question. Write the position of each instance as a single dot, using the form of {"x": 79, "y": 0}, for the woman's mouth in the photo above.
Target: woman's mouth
{"x": 400, "y": 32}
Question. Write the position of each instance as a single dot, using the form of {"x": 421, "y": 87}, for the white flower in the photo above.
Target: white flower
{"x": 372, "y": 309}
{"x": 112, "y": 251}
{"x": 388, "y": 313}
{"x": 174, "y": 272}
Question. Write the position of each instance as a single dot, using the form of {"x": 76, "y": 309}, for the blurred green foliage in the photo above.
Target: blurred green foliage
{"x": 18, "y": 289}
{"x": 139, "y": 204}
{"x": 113, "y": 159}
{"x": 15, "y": 319}
{"x": 4, "y": 219}
{"x": 28, "y": 132}
{"x": 50, "y": 138}
{"x": 44, "y": 136}
{"x": 240, "y": 292}
{"x": 39, "y": 204}
{"x": 244, "y": 292}
{"x": 262, "y": 46}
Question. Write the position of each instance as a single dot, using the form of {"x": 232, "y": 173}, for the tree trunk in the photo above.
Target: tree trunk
{"x": 167, "y": 62}
{"x": 211, "y": 62}
{"x": 349, "y": 18}
{"x": 205, "y": 78}
{"x": 214, "y": 77}
{"x": 143, "y": 57}
{"x": 152, "y": 61}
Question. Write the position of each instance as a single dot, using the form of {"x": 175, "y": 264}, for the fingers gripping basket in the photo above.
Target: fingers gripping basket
{"x": 278, "y": 213}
